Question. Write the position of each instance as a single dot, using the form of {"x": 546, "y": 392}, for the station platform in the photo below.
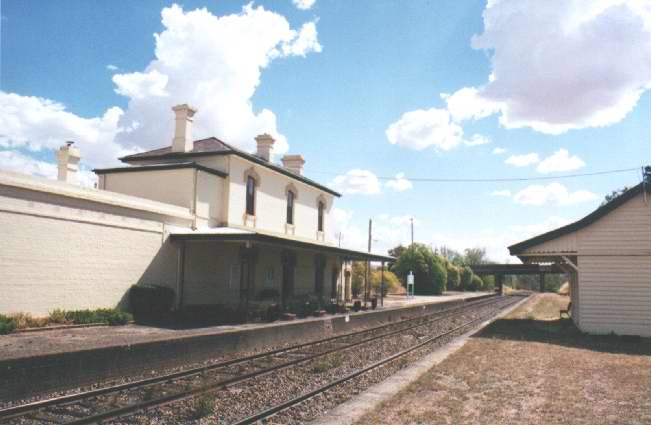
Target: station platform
{"x": 55, "y": 360}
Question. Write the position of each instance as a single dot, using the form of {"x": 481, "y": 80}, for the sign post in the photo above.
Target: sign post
{"x": 410, "y": 285}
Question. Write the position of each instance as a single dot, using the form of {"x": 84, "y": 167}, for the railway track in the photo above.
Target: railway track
{"x": 126, "y": 399}
{"x": 271, "y": 411}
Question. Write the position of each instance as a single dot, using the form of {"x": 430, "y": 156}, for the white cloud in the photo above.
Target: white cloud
{"x": 11, "y": 160}
{"x": 400, "y": 183}
{"x": 203, "y": 66}
{"x": 20, "y": 163}
{"x": 553, "y": 193}
{"x": 196, "y": 61}
{"x": 388, "y": 230}
{"x": 306, "y": 41}
{"x": 560, "y": 161}
{"x": 36, "y": 123}
{"x": 523, "y": 160}
{"x": 357, "y": 181}
{"x": 502, "y": 193}
{"x": 465, "y": 104}
{"x": 112, "y": 67}
{"x": 561, "y": 65}
{"x": 497, "y": 240}
{"x": 478, "y": 139}
{"x": 137, "y": 85}
{"x": 498, "y": 151}
{"x": 421, "y": 129}
{"x": 352, "y": 236}
{"x": 304, "y": 4}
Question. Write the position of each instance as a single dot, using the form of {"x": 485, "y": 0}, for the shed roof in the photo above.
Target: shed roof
{"x": 214, "y": 146}
{"x": 520, "y": 247}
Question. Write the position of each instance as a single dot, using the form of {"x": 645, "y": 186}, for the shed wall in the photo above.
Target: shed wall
{"x": 615, "y": 294}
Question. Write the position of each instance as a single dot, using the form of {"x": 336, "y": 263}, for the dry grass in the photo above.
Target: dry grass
{"x": 531, "y": 368}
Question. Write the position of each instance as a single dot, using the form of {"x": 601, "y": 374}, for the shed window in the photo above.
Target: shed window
{"x": 250, "y": 195}
{"x": 290, "y": 207}
{"x": 321, "y": 208}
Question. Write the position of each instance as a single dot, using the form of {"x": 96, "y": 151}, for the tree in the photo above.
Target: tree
{"x": 476, "y": 284}
{"x": 430, "y": 272}
{"x": 451, "y": 255}
{"x": 614, "y": 194}
{"x": 392, "y": 284}
{"x": 454, "y": 277}
{"x": 357, "y": 277}
{"x": 396, "y": 252}
{"x": 474, "y": 256}
{"x": 466, "y": 278}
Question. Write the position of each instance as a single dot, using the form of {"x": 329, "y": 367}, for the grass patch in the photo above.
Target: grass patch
{"x": 110, "y": 316}
{"x": 204, "y": 406}
{"x": 325, "y": 364}
{"x": 7, "y": 324}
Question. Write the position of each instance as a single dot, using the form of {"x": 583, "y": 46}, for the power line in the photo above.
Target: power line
{"x": 504, "y": 179}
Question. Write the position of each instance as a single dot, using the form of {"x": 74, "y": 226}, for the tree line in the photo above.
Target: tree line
{"x": 435, "y": 271}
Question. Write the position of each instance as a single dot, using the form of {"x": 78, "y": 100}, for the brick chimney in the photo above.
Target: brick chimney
{"x": 182, "y": 141}
{"x": 294, "y": 163}
{"x": 265, "y": 146}
{"x": 68, "y": 158}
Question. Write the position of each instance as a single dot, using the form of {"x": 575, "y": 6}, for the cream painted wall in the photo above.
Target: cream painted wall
{"x": 208, "y": 269}
{"x": 169, "y": 186}
{"x": 63, "y": 252}
{"x": 211, "y": 208}
{"x": 271, "y": 203}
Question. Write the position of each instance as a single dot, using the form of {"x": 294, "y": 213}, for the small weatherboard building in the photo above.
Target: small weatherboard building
{"x": 607, "y": 255}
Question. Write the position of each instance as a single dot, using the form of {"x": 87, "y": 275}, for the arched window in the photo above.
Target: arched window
{"x": 250, "y": 195}
{"x": 290, "y": 207}
{"x": 321, "y": 211}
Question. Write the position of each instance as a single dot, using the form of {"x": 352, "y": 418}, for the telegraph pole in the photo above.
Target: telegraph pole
{"x": 412, "y": 230}
{"x": 366, "y": 280}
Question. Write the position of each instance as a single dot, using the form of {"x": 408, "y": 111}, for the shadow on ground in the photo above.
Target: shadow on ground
{"x": 563, "y": 332}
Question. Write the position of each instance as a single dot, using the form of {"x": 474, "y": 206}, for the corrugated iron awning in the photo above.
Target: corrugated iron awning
{"x": 227, "y": 234}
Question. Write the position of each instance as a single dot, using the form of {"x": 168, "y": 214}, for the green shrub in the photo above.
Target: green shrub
{"x": 325, "y": 364}
{"x": 476, "y": 283}
{"x": 303, "y": 305}
{"x": 7, "y": 324}
{"x": 430, "y": 272}
{"x": 109, "y": 316}
{"x": 391, "y": 282}
{"x": 268, "y": 294}
{"x": 454, "y": 277}
{"x": 118, "y": 318}
{"x": 58, "y": 316}
{"x": 466, "y": 278}
{"x": 151, "y": 302}
{"x": 204, "y": 406}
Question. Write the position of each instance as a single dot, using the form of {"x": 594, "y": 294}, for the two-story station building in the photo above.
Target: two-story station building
{"x": 217, "y": 224}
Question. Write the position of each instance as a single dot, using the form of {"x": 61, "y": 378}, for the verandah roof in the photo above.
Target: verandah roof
{"x": 228, "y": 234}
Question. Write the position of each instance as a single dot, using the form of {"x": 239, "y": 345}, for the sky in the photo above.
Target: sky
{"x": 378, "y": 96}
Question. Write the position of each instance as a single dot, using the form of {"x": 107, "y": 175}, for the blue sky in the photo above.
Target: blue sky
{"x": 359, "y": 89}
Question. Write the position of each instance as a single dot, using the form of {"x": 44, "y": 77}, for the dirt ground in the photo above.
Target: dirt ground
{"x": 531, "y": 368}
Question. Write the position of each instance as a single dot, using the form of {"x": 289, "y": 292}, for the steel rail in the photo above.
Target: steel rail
{"x": 303, "y": 397}
{"x": 183, "y": 395}
{"x": 22, "y": 410}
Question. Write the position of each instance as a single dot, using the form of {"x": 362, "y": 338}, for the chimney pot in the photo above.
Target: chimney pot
{"x": 182, "y": 141}
{"x": 68, "y": 158}
{"x": 294, "y": 163}
{"x": 265, "y": 144}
